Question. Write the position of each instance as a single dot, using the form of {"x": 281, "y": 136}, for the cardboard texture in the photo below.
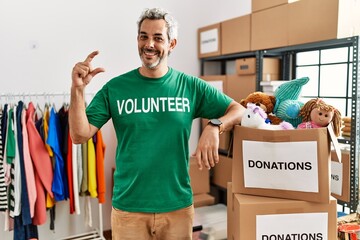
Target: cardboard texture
{"x": 318, "y": 159}
{"x": 239, "y": 87}
{"x": 216, "y": 78}
{"x": 199, "y": 179}
{"x": 258, "y": 5}
{"x": 203, "y": 199}
{"x": 222, "y": 172}
{"x": 345, "y": 179}
{"x": 313, "y": 21}
{"x": 247, "y": 66}
{"x": 236, "y": 30}
{"x": 209, "y": 41}
{"x": 246, "y": 211}
{"x": 269, "y": 28}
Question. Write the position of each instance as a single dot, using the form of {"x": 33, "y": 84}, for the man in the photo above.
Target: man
{"x": 152, "y": 109}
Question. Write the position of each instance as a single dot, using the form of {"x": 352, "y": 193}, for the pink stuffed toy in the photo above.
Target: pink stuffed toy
{"x": 316, "y": 113}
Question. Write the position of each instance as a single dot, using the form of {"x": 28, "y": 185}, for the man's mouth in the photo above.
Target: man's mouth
{"x": 150, "y": 52}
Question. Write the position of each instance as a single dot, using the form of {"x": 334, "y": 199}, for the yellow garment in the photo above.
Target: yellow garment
{"x": 46, "y": 130}
{"x": 50, "y": 202}
{"x": 92, "y": 184}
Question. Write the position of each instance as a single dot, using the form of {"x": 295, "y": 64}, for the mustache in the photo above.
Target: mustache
{"x": 150, "y": 50}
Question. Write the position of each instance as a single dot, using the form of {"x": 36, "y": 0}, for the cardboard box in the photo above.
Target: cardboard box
{"x": 239, "y": 87}
{"x": 203, "y": 199}
{"x": 340, "y": 176}
{"x": 313, "y": 21}
{"x": 247, "y": 66}
{"x": 236, "y": 30}
{"x": 218, "y": 81}
{"x": 222, "y": 172}
{"x": 199, "y": 179}
{"x": 258, "y": 5}
{"x": 265, "y": 218}
{"x": 209, "y": 41}
{"x": 269, "y": 28}
{"x": 291, "y": 164}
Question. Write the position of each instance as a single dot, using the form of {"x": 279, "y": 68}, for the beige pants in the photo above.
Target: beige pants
{"x": 174, "y": 225}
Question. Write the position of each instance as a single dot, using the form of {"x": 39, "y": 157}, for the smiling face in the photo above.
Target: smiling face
{"x": 321, "y": 117}
{"x": 154, "y": 45}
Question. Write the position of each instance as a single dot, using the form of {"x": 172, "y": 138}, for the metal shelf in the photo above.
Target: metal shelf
{"x": 286, "y": 54}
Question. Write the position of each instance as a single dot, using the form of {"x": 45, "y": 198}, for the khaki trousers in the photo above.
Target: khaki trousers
{"x": 176, "y": 225}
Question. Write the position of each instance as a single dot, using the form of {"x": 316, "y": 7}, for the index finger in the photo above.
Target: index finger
{"x": 90, "y": 57}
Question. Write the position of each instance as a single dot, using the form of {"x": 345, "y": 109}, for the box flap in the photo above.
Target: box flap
{"x": 335, "y": 142}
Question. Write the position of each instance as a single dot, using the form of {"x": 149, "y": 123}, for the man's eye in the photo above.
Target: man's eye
{"x": 159, "y": 39}
{"x": 143, "y": 37}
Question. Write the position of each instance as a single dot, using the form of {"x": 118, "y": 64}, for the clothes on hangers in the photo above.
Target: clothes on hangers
{"x": 35, "y": 171}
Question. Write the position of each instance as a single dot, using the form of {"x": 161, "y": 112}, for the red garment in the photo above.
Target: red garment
{"x": 70, "y": 175}
{"x": 38, "y": 152}
{"x": 40, "y": 204}
{"x": 100, "y": 173}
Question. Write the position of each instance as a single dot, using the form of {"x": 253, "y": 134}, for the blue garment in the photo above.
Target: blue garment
{"x": 59, "y": 185}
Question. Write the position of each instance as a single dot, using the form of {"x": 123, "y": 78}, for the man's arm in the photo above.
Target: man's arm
{"x": 207, "y": 151}
{"x": 80, "y": 128}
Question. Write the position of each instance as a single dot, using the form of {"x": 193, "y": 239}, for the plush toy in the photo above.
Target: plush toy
{"x": 255, "y": 117}
{"x": 266, "y": 102}
{"x": 316, "y": 113}
{"x": 287, "y": 105}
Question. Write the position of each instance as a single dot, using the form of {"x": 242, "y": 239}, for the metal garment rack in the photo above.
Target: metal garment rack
{"x": 287, "y": 56}
{"x": 96, "y": 233}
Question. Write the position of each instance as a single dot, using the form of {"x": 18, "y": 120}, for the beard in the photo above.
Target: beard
{"x": 145, "y": 61}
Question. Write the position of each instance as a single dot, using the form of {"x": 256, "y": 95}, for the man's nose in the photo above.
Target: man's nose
{"x": 150, "y": 43}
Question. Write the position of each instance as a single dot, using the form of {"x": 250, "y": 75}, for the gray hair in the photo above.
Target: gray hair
{"x": 158, "y": 13}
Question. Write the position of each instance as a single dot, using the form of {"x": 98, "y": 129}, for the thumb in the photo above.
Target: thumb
{"x": 96, "y": 71}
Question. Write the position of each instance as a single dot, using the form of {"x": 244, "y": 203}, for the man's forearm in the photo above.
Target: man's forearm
{"x": 80, "y": 129}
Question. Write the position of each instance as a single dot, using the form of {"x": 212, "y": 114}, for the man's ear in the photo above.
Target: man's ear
{"x": 172, "y": 44}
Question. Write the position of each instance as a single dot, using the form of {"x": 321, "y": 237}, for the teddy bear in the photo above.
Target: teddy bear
{"x": 266, "y": 102}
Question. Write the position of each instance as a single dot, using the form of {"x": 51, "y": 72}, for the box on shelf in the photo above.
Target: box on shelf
{"x": 340, "y": 176}
{"x": 256, "y": 217}
{"x": 258, "y": 5}
{"x": 239, "y": 87}
{"x": 235, "y": 35}
{"x": 209, "y": 41}
{"x": 269, "y": 28}
{"x": 269, "y": 87}
{"x": 247, "y": 66}
{"x": 291, "y": 164}
{"x": 218, "y": 81}
{"x": 313, "y": 21}
{"x": 222, "y": 172}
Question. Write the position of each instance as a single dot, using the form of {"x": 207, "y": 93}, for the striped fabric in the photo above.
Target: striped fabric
{"x": 3, "y": 196}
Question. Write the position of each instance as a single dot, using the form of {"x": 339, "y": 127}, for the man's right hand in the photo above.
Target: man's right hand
{"x": 83, "y": 72}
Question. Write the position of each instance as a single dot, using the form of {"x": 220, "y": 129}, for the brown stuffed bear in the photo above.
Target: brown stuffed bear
{"x": 266, "y": 102}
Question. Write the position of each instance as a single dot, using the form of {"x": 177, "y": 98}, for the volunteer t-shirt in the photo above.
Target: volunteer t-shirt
{"x": 152, "y": 118}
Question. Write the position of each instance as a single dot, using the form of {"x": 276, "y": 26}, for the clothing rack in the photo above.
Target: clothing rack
{"x": 97, "y": 233}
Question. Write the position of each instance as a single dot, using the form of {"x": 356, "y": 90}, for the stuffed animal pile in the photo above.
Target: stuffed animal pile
{"x": 284, "y": 110}
{"x": 254, "y": 117}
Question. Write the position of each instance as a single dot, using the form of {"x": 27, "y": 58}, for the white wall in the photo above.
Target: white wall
{"x": 40, "y": 41}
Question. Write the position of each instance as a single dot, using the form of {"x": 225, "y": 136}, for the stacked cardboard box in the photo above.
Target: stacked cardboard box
{"x": 280, "y": 23}
{"x": 200, "y": 184}
{"x": 281, "y": 185}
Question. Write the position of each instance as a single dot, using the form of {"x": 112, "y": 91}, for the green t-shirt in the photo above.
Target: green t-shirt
{"x": 152, "y": 118}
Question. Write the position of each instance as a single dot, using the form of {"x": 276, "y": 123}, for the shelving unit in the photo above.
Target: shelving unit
{"x": 288, "y": 57}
